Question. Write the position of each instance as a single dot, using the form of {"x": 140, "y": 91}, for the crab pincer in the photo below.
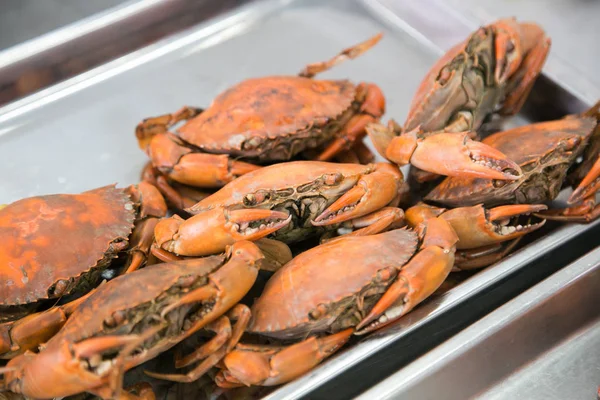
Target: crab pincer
{"x": 110, "y": 333}
{"x": 482, "y": 232}
{"x": 288, "y": 202}
{"x": 307, "y": 298}
{"x": 491, "y": 72}
{"x": 444, "y": 153}
{"x": 262, "y": 120}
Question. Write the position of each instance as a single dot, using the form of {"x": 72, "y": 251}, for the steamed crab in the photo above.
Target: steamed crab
{"x": 263, "y": 120}
{"x": 548, "y": 153}
{"x": 288, "y": 202}
{"x": 58, "y": 245}
{"x": 491, "y": 72}
{"x": 485, "y": 235}
{"x": 336, "y": 289}
{"x": 110, "y": 333}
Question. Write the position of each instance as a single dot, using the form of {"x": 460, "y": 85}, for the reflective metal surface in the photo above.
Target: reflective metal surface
{"x": 79, "y": 134}
{"x": 85, "y": 44}
{"x": 541, "y": 345}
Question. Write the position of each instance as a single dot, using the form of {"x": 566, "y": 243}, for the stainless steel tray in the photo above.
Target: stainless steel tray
{"x": 543, "y": 344}
{"x": 78, "y": 134}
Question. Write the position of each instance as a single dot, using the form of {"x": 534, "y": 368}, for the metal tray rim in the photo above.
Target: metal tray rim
{"x": 420, "y": 316}
{"x": 491, "y": 323}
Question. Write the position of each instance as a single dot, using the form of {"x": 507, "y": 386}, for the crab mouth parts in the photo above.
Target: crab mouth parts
{"x": 518, "y": 224}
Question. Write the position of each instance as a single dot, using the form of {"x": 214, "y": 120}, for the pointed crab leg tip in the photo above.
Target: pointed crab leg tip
{"x": 588, "y": 186}
{"x": 502, "y": 212}
{"x": 333, "y": 342}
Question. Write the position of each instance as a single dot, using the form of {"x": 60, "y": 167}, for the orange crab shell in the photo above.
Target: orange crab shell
{"x": 47, "y": 239}
{"x": 268, "y": 108}
{"x": 297, "y": 174}
{"x": 307, "y": 296}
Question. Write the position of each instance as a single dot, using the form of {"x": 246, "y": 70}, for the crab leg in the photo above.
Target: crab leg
{"x": 269, "y": 366}
{"x": 377, "y": 222}
{"x": 139, "y": 391}
{"x": 483, "y": 256}
{"x": 276, "y": 253}
{"x": 418, "y": 279}
{"x": 536, "y": 47}
{"x": 371, "y": 193}
{"x": 586, "y": 211}
{"x": 347, "y": 54}
{"x": 150, "y": 127}
{"x": 151, "y": 206}
{"x": 352, "y": 132}
{"x": 359, "y": 153}
{"x": 372, "y": 109}
{"x": 215, "y": 349}
{"x": 589, "y": 185}
{"x": 140, "y": 242}
{"x": 29, "y": 332}
{"x": 196, "y": 169}
{"x": 211, "y": 231}
{"x": 179, "y": 197}
{"x": 443, "y": 153}
{"x": 477, "y": 227}
{"x": 225, "y": 335}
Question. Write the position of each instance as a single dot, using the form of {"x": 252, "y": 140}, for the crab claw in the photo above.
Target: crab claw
{"x": 588, "y": 186}
{"x": 456, "y": 154}
{"x": 450, "y": 154}
{"x": 211, "y": 231}
{"x": 476, "y": 226}
{"x": 418, "y": 279}
{"x": 269, "y": 366}
{"x": 370, "y": 193}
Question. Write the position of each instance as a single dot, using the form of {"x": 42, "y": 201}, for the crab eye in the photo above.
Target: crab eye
{"x": 249, "y": 200}
{"x": 253, "y": 199}
{"x": 252, "y": 143}
{"x": 510, "y": 46}
{"x": 444, "y": 76}
{"x": 332, "y": 179}
{"x": 497, "y": 183}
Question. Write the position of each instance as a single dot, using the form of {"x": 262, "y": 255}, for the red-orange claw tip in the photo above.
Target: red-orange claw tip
{"x": 514, "y": 210}
{"x": 589, "y": 185}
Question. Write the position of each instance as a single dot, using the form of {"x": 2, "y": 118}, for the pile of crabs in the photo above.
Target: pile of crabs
{"x": 275, "y": 162}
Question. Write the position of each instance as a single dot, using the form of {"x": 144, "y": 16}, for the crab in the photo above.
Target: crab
{"x": 57, "y": 246}
{"x": 177, "y": 195}
{"x": 548, "y": 154}
{"x": 263, "y": 120}
{"x": 491, "y": 72}
{"x": 135, "y": 317}
{"x": 334, "y": 290}
{"x": 484, "y": 235}
{"x": 288, "y": 202}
